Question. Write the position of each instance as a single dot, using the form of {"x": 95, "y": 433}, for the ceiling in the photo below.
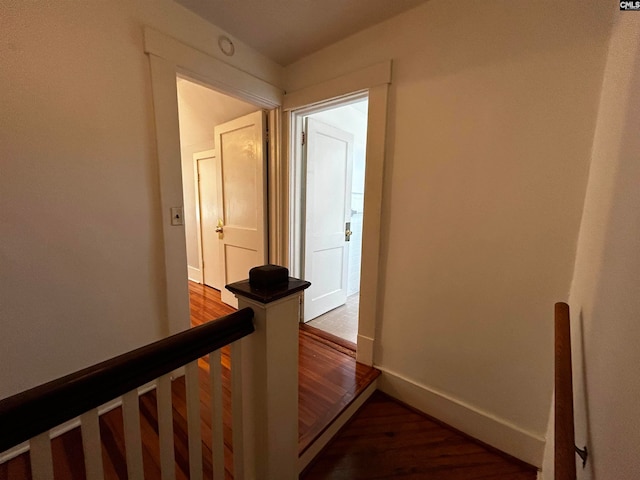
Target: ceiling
{"x": 287, "y": 30}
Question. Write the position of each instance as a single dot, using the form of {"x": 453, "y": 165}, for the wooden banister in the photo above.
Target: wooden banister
{"x": 565, "y": 464}
{"x": 35, "y": 411}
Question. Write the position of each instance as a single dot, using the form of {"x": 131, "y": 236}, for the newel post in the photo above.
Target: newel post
{"x": 269, "y": 364}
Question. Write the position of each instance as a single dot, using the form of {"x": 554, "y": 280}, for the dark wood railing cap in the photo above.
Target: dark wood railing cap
{"x": 267, "y": 284}
{"x": 34, "y": 411}
{"x": 564, "y": 456}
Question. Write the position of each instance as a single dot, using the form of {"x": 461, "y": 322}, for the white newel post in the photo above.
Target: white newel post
{"x": 269, "y": 362}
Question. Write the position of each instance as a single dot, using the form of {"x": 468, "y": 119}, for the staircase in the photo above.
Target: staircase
{"x": 185, "y": 423}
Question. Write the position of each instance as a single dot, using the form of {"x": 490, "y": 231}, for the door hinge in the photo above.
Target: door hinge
{"x": 304, "y": 138}
{"x": 198, "y": 177}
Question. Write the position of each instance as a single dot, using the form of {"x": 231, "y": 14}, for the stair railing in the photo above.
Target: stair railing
{"x": 264, "y": 348}
{"x": 565, "y": 449}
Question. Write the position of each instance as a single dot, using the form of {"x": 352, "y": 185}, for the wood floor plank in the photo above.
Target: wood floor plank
{"x": 387, "y": 440}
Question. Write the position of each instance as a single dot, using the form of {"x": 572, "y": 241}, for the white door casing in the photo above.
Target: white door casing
{"x": 209, "y": 215}
{"x": 169, "y": 57}
{"x": 241, "y": 165}
{"x": 329, "y": 167}
{"x": 373, "y": 80}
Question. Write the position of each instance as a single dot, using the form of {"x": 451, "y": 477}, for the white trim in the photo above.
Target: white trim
{"x": 365, "y": 345}
{"x": 195, "y": 274}
{"x": 315, "y": 448}
{"x": 295, "y": 194}
{"x": 211, "y": 153}
{"x": 369, "y": 314}
{"x": 211, "y": 71}
{"x": 484, "y": 426}
{"x": 165, "y": 102}
{"x": 373, "y": 81}
{"x": 377, "y": 74}
{"x": 169, "y": 58}
{"x": 276, "y": 192}
{"x": 71, "y": 424}
{"x": 196, "y": 189}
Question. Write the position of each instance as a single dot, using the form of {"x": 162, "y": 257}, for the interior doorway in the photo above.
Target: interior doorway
{"x": 223, "y": 155}
{"x": 331, "y": 176}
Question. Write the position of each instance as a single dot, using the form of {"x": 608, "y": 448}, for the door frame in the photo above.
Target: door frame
{"x": 374, "y": 82}
{"x": 168, "y": 59}
{"x": 297, "y": 178}
{"x": 197, "y": 156}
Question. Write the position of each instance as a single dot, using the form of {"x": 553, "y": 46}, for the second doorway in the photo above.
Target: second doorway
{"x": 332, "y": 176}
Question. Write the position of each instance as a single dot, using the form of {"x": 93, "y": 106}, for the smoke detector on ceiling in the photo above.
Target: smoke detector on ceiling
{"x": 226, "y": 45}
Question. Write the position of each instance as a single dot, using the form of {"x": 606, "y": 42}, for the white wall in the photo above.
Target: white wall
{"x": 604, "y": 300}
{"x": 81, "y": 259}
{"x": 491, "y": 116}
{"x": 200, "y": 109}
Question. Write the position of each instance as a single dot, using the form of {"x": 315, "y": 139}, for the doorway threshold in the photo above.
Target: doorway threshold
{"x": 340, "y": 344}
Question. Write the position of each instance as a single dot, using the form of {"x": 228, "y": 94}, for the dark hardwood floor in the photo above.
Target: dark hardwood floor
{"x": 385, "y": 440}
{"x": 329, "y": 380}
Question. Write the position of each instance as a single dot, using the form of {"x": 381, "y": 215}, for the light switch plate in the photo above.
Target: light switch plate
{"x": 176, "y": 216}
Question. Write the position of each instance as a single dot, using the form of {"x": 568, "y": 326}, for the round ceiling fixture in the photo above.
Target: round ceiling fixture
{"x": 226, "y": 45}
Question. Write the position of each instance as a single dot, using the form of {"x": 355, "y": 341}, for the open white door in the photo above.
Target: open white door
{"x": 329, "y": 161}
{"x": 209, "y": 215}
{"x": 241, "y": 166}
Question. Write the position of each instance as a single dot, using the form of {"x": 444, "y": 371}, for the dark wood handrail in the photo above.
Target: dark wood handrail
{"x": 565, "y": 463}
{"x": 39, "y": 409}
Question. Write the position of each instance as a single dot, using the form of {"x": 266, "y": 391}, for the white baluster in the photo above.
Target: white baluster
{"x": 193, "y": 420}
{"x": 91, "y": 445}
{"x": 217, "y": 436}
{"x": 41, "y": 459}
{"x": 165, "y": 427}
{"x": 237, "y": 410}
{"x": 132, "y": 436}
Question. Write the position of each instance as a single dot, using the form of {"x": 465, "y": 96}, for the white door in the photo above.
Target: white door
{"x": 329, "y": 162}
{"x": 242, "y": 159}
{"x": 209, "y": 215}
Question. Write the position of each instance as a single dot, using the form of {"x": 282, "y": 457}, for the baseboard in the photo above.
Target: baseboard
{"x": 476, "y": 423}
{"x": 71, "y": 424}
{"x": 315, "y": 448}
{"x": 194, "y": 274}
